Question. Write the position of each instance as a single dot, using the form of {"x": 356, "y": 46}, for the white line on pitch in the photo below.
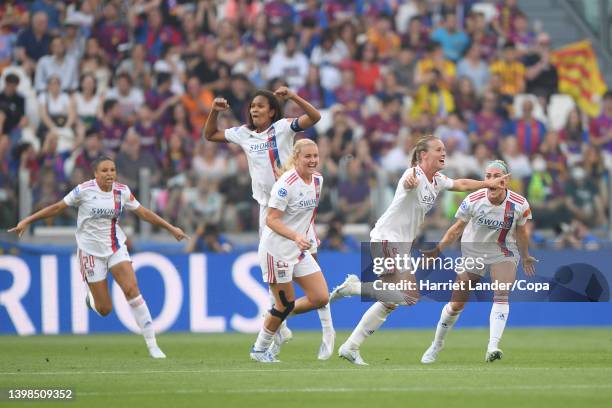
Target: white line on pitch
{"x": 436, "y": 389}
{"x": 302, "y": 370}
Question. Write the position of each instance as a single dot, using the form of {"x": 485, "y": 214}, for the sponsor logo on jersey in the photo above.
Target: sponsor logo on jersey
{"x": 102, "y": 212}
{"x": 312, "y": 202}
{"x": 493, "y": 223}
{"x": 262, "y": 146}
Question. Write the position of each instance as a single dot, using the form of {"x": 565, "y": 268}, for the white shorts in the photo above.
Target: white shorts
{"x": 95, "y": 268}
{"x": 488, "y": 263}
{"x": 274, "y": 270}
{"x": 311, "y": 235}
{"x": 384, "y": 249}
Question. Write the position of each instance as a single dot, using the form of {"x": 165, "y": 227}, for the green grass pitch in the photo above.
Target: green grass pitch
{"x": 541, "y": 368}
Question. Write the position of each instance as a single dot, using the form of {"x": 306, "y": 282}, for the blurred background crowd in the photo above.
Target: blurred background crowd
{"x": 135, "y": 79}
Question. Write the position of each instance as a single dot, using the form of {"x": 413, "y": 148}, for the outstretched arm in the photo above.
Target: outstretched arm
{"x": 312, "y": 115}
{"x": 46, "y": 212}
{"x": 210, "y": 131}
{"x": 471, "y": 185}
{"x": 149, "y": 216}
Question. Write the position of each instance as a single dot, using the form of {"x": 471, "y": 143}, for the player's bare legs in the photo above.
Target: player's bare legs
{"x": 125, "y": 277}
{"x": 99, "y": 298}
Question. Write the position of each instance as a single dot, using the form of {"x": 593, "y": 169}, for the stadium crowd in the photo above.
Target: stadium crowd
{"x": 135, "y": 79}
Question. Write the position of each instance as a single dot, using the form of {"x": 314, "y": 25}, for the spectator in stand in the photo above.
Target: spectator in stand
{"x": 259, "y": 39}
{"x": 435, "y": 60}
{"x": 289, "y": 63}
{"x": 211, "y": 72}
{"x": 208, "y": 239}
{"x": 541, "y": 75}
{"x": 583, "y": 198}
{"x": 556, "y": 162}
{"x": 154, "y": 34}
{"x": 110, "y": 127}
{"x": 236, "y": 188}
{"x": 528, "y": 130}
{"x": 574, "y": 137}
{"x": 111, "y": 32}
{"x": 466, "y": 100}
{"x": 487, "y": 125}
{"x": 239, "y": 96}
{"x": 88, "y": 104}
{"x": 472, "y": 66}
{"x": 160, "y": 98}
{"x": 481, "y": 34}
{"x": 197, "y": 102}
{"x": 452, "y": 39}
{"x": 545, "y": 195}
{"x": 208, "y": 163}
{"x": 336, "y": 240}
{"x": 137, "y": 67}
{"x": 511, "y": 71}
{"x": 94, "y": 62}
{"x": 403, "y": 68}
{"x": 132, "y": 159}
{"x": 57, "y": 114}
{"x": 57, "y": 64}
{"x": 432, "y": 97}
{"x": 416, "y": 38}
{"x": 180, "y": 122}
{"x": 350, "y": 96}
{"x": 281, "y": 17}
{"x": 382, "y": 36}
{"x": 354, "y": 194}
{"x": 601, "y": 129}
{"x": 149, "y": 130}
{"x": 523, "y": 37}
{"x": 91, "y": 151}
{"x": 314, "y": 92}
{"x": 505, "y": 20}
{"x": 33, "y": 42}
{"x": 230, "y": 50}
{"x": 128, "y": 97}
{"x": 327, "y": 56}
{"x": 382, "y": 127}
{"x": 12, "y": 110}
{"x": 453, "y": 133}
{"x": 366, "y": 67}
{"x": 175, "y": 159}
{"x": 518, "y": 163}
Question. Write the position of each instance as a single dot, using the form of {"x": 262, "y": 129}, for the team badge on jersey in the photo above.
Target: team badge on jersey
{"x": 282, "y": 192}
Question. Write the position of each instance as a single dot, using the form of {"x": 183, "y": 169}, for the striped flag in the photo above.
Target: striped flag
{"x": 579, "y": 75}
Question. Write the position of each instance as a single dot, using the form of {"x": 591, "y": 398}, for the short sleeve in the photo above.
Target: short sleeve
{"x": 285, "y": 127}
{"x": 131, "y": 203}
{"x": 444, "y": 182}
{"x": 279, "y": 196}
{"x": 525, "y": 214}
{"x": 232, "y": 135}
{"x": 74, "y": 197}
{"x": 463, "y": 212}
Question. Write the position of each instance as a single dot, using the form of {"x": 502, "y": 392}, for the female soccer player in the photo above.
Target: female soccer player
{"x": 284, "y": 247}
{"x": 267, "y": 140}
{"x": 101, "y": 242}
{"x": 394, "y": 233}
{"x": 492, "y": 222}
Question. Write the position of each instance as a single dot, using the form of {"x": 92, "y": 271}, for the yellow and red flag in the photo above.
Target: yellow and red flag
{"x": 579, "y": 75}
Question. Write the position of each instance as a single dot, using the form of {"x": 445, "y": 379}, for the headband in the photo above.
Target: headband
{"x": 499, "y": 165}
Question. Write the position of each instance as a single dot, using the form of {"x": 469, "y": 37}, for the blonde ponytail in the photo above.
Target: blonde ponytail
{"x": 422, "y": 145}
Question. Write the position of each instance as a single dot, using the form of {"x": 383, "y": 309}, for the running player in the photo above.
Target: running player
{"x": 101, "y": 242}
{"x": 492, "y": 222}
{"x": 267, "y": 140}
{"x": 394, "y": 233}
{"x": 284, "y": 248}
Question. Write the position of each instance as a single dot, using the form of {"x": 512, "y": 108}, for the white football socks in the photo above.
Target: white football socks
{"x": 326, "y": 318}
{"x": 448, "y": 317}
{"x": 141, "y": 314}
{"x": 497, "y": 323}
{"x": 371, "y": 320}
{"x": 264, "y": 339}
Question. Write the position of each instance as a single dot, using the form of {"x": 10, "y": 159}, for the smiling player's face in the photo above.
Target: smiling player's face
{"x": 105, "y": 174}
{"x": 435, "y": 157}
{"x": 307, "y": 160}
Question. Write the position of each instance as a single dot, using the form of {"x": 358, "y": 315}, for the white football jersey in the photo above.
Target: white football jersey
{"x": 402, "y": 220}
{"x": 299, "y": 202}
{"x": 98, "y": 232}
{"x": 265, "y": 152}
{"x": 490, "y": 229}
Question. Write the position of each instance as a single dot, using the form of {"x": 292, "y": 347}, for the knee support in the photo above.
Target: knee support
{"x": 287, "y": 305}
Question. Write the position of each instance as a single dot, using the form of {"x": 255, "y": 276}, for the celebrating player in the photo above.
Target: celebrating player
{"x": 394, "y": 233}
{"x": 489, "y": 220}
{"x": 101, "y": 242}
{"x": 284, "y": 248}
{"x": 267, "y": 140}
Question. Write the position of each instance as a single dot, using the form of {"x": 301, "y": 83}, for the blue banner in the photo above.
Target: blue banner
{"x": 45, "y": 294}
